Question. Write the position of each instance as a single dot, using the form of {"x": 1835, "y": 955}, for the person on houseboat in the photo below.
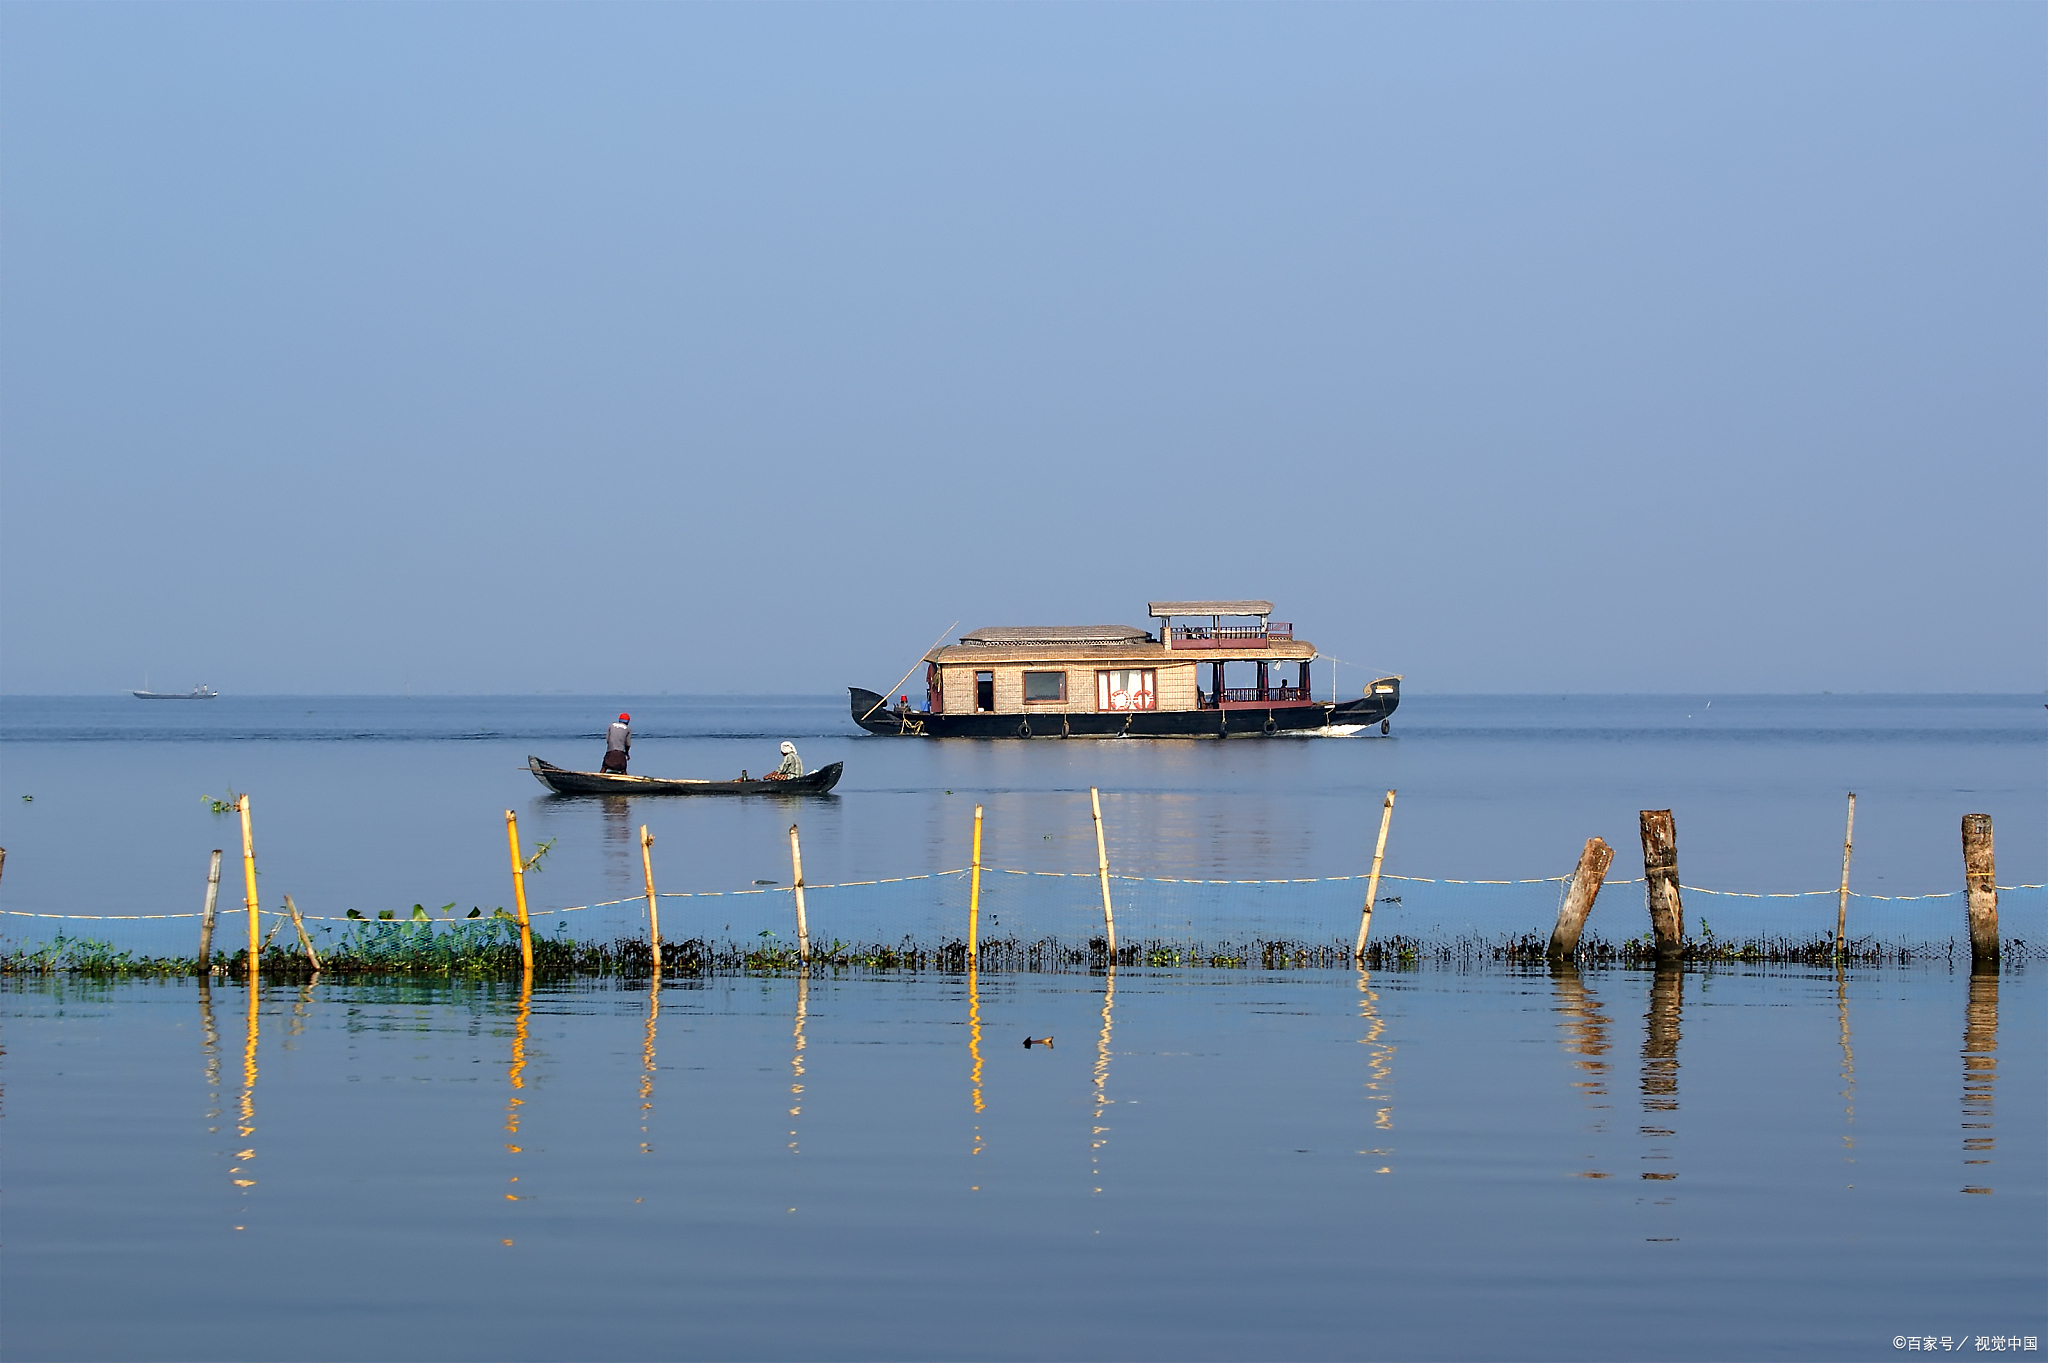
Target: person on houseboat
{"x": 618, "y": 745}
{"x": 792, "y": 765}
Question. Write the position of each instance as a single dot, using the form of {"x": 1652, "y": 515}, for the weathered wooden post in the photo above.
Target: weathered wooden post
{"x": 249, "y": 888}
{"x": 305, "y": 938}
{"x": 1981, "y": 877}
{"x": 653, "y": 912}
{"x": 803, "y": 928}
{"x": 1578, "y": 900}
{"x": 974, "y": 895}
{"x": 1372, "y": 884}
{"x": 1660, "y": 877}
{"x": 519, "y": 892}
{"x": 1102, "y": 867}
{"x": 1842, "y": 903}
{"x": 206, "y": 914}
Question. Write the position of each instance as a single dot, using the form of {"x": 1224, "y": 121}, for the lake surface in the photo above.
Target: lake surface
{"x": 1439, "y": 1162}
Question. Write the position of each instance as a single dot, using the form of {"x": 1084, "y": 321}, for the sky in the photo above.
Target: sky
{"x": 699, "y": 348}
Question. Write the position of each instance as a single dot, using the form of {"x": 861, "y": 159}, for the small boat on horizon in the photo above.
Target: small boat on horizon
{"x": 565, "y": 782}
{"x": 1116, "y": 681}
{"x": 196, "y": 693}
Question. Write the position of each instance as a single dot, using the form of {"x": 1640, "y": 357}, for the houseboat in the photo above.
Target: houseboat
{"x": 1227, "y": 670}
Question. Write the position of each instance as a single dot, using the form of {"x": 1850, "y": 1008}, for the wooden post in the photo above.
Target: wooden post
{"x": 803, "y": 928}
{"x": 653, "y": 912}
{"x": 1578, "y": 900}
{"x": 519, "y": 891}
{"x": 1660, "y": 877}
{"x": 249, "y": 886}
{"x": 3, "y": 859}
{"x": 1842, "y": 902}
{"x": 305, "y": 939}
{"x": 1981, "y": 878}
{"x": 1372, "y": 884}
{"x": 974, "y": 896}
{"x": 1102, "y": 866}
{"x": 206, "y": 914}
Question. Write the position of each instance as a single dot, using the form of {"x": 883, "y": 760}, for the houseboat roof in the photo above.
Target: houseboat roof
{"x": 1162, "y": 609}
{"x": 1142, "y": 651}
{"x": 1003, "y": 635}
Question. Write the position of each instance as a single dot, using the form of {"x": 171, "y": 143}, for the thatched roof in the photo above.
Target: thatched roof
{"x": 1162, "y": 609}
{"x": 1056, "y": 634}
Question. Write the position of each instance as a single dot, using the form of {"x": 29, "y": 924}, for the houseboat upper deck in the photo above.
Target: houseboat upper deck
{"x": 1080, "y": 681}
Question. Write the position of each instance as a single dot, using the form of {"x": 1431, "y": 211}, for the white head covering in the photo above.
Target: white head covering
{"x": 788, "y": 746}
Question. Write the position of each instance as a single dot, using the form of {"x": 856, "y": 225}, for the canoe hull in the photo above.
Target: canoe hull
{"x": 1237, "y": 721}
{"x": 564, "y": 782}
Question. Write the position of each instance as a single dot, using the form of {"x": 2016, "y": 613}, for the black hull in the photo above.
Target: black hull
{"x": 564, "y": 782}
{"x": 1243, "y": 721}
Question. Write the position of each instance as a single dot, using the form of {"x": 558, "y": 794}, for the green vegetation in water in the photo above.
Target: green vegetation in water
{"x": 230, "y": 803}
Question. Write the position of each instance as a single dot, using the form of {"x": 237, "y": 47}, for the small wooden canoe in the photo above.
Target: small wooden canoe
{"x": 565, "y": 782}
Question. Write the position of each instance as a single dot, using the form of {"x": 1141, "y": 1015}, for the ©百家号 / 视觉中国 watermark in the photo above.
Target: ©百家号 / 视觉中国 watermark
{"x": 1983, "y": 1344}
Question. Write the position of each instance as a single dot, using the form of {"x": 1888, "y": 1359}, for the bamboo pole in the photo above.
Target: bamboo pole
{"x": 974, "y": 896}
{"x": 1578, "y": 900}
{"x": 1372, "y": 884}
{"x": 519, "y": 892}
{"x": 1102, "y": 866}
{"x": 1980, "y": 877}
{"x": 206, "y": 914}
{"x": 653, "y": 912}
{"x": 3, "y": 859}
{"x": 803, "y": 928}
{"x": 1660, "y": 878}
{"x": 249, "y": 886}
{"x": 305, "y": 940}
{"x": 1842, "y": 902}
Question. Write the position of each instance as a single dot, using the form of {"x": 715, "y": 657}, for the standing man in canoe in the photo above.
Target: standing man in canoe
{"x": 618, "y": 745}
{"x": 792, "y": 765}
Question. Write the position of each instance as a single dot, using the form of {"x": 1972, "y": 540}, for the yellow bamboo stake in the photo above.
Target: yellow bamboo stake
{"x": 1372, "y": 884}
{"x": 519, "y": 891}
{"x": 974, "y": 895}
{"x": 803, "y": 930}
{"x": 1842, "y": 904}
{"x": 1102, "y": 866}
{"x": 249, "y": 887}
{"x": 653, "y": 912}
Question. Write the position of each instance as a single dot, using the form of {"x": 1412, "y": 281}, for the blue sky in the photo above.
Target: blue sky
{"x": 707, "y": 348}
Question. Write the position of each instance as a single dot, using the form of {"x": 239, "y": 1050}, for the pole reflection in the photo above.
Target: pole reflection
{"x": 647, "y": 1057}
{"x": 974, "y": 1051}
{"x": 1660, "y": 1070}
{"x": 515, "y": 1075}
{"x": 1379, "y": 1066}
{"x": 1848, "y": 1067}
{"x": 245, "y": 1113}
{"x": 1099, "y": 1134}
{"x": 1585, "y": 1035}
{"x": 1980, "y": 1075}
{"x": 796, "y": 1058}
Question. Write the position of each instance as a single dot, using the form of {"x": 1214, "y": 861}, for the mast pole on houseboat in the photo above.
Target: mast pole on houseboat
{"x": 913, "y": 667}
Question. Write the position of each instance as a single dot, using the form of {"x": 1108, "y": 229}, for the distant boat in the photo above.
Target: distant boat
{"x": 196, "y": 693}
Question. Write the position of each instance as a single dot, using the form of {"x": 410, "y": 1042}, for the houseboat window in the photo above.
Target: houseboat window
{"x": 985, "y": 691}
{"x": 1045, "y": 686}
{"x": 1127, "y": 689}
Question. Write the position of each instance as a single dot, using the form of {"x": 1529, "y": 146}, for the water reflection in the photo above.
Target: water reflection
{"x": 1848, "y": 1067}
{"x": 1585, "y": 1035}
{"x": 515, "y": 1075}
{"x": 1099, "y": 1134}
{"x": 245, "y": 1115}
{"x": 796, "y": 1059}
{"x": 1660, "y": 1070}
{"x": 1980, "y": 1075}
{"x": 1379, "y": 1065}
{"x": 974, "y": 1049}
{"x": 647, "y": 1056}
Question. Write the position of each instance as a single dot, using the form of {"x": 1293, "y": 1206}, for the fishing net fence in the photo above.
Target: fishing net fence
{"x": 1049, "y": 920}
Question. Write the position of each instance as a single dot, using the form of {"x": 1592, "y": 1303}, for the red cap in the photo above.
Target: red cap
{"x": 625, "y": 719}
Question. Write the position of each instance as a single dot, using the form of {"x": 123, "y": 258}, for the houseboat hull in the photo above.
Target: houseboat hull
{"x": 1238, "y": 719}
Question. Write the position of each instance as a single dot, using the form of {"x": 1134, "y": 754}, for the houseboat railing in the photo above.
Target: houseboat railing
{"x": 1212, "y": 635}
{"x": 1251, "y": 695}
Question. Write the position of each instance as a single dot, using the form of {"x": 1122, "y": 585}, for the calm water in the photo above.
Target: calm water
{"x": 1437, "y": 1163}
{"x": 1424, "y": 1165}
